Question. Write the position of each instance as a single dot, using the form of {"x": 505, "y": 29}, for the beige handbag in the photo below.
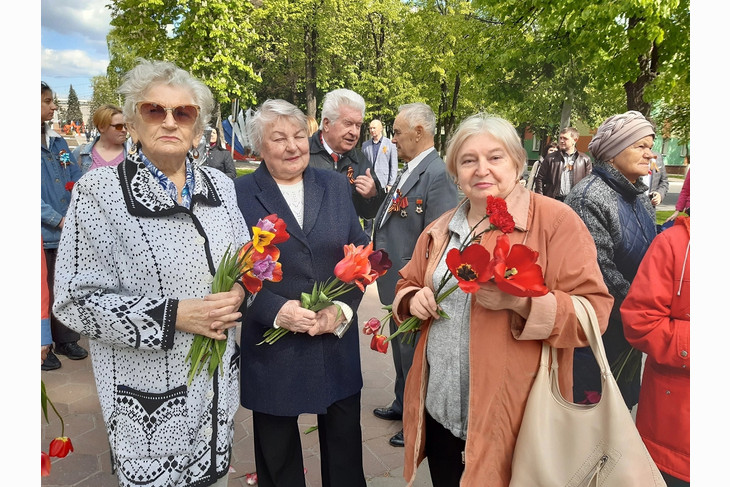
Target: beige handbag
{"x": 580, "y": 445}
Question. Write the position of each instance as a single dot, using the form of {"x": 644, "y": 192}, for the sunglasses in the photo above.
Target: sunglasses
{"x": 153, "y": 113}
{"x": 118, "y": 126}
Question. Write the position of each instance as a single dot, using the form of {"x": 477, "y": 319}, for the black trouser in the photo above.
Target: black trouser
{"x": 60, "y": 332}
{"x": 402, "y": 359}
{"x": 444, "y": 452}
{"x": 278, "y": 447}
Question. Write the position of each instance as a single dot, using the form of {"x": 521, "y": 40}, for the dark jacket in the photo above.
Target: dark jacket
{"x": 621, "y": 220}
{"x": 547, "y": 181}
{"x": 300, "y": 373}
{"x": 320, "y": 158}
{"x": 222, "y": 160}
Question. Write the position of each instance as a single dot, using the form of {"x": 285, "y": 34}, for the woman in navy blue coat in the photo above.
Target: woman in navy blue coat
{"x": 312, "y": 370}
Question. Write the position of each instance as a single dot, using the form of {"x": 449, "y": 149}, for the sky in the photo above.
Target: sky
{"x": 73, "y": 44}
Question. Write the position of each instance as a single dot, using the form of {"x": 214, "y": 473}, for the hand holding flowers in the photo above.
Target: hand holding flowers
{"x": 360, "y": 266}
{"x": 252, "y": 263}
{"x": 513, "y": 270}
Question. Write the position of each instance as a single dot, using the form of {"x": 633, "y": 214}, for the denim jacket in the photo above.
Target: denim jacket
{"x": 54, "y": 195}
{"x": 82, "y": 154}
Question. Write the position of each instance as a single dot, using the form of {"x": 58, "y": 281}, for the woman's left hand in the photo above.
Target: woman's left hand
{"x": 212, "y": 315}
{"x": 328, "y": 319}
{"x": 491, "y": 297}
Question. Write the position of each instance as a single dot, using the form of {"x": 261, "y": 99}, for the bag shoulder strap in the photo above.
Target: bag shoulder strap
{"x": 589, "y": 321}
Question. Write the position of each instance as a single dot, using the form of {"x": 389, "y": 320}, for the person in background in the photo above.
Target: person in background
{"x": 315, "y": 368}
{"x": 530, "y": 184}
{"x": 656, "y": 321}
{"x": 430, "y": 192}
{"x": 59, "y": 173}
{"x": 562, "y": 169}
{"x": 46, "y": 339}
{"x": 657, "y": 180}
{"x": 312, "y": 125}
{"x": 613, "y": 203}
{"x": 219, "y": 157}
{"x": 472, "y": 371}
{"x": 334, "y": 147}
{"x": 383, "y": 155}
{"x": 682, "y": 205}
{"x": 135, "y": 269}
{"x": 108, "y": 149}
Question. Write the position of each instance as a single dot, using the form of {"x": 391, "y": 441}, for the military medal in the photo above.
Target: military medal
{"x": 399, "y": 202}
{"x": 350, "y": 174}
{"x": 419, "y": 206}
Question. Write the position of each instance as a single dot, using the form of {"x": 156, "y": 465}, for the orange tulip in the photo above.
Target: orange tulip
{"x": 379, "y": 343}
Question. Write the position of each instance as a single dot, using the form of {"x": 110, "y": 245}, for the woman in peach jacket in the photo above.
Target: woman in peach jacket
{"x": 472, "y": 372}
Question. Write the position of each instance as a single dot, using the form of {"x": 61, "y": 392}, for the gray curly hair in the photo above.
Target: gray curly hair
{"x": 617, "y": 133}
{"x": 146, "y": 74}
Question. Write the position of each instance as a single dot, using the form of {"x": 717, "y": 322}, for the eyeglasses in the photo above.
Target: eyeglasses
{"x": 153, "y": 113}
{"x": 119, "y": 126}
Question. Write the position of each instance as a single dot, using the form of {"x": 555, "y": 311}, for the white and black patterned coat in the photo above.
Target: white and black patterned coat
{"x": 127, "y": 255}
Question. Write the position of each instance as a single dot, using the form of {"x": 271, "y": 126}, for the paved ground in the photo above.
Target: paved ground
{"x": 73, "y": 392}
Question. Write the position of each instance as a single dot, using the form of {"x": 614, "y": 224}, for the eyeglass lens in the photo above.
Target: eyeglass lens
{"x": 118, "y": 126}
{"x": 154, "y": 113}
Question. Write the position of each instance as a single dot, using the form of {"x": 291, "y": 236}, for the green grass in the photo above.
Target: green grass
{"x": 241, "y": 172}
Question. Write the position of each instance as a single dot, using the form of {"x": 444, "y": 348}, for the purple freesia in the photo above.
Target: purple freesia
{"x": 264, "y": 269}
{"x": 265, "y": 225}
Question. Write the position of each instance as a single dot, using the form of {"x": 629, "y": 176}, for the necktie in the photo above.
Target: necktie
{"x": 335, "y": 157}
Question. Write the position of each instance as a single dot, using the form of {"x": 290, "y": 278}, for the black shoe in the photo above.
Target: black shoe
{"x": 72, "y": 350}
{"x": 397, "y": 439}
{"x": 387, "y": 413}
{"x": 51, "y": 362}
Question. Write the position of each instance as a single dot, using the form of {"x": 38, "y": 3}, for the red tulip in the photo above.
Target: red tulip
{"x": 60, "y": 447}
{"x": 470, "y": 267}
{"x": 273, "y": 223}
{"x": 355, "y": 267}
{"x": 372, "y": 326}
{"x": 517, "y": 272}
{"x": 379, "y": 344}
{"x": 379, "y": 262}
{"x": 45, "y": 464}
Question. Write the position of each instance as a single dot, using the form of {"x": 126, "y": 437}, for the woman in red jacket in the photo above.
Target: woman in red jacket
{"x": 656, "y": 321}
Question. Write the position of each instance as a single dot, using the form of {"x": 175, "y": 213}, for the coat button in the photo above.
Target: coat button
{"x": 683, "y": 353}
{"x": 200, "y": 240}
{"x": 208, "y": 432}
{"x": 668, "y": 392}
{"x": 210, "y": 394}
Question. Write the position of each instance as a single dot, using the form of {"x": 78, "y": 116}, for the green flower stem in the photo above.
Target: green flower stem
{"x": 413, "y": 323}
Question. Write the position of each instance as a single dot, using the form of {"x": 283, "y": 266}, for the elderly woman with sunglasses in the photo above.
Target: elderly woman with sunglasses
{"x": 108, "y": 148}
{"x": 137, "y": 258}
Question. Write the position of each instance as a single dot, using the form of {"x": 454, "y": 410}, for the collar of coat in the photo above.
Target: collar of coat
{"x": 618, "y": 182}
{"x": 145, "y": 197}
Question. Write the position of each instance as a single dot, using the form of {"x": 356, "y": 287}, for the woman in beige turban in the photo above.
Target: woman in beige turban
{"x": 613, "y": 204}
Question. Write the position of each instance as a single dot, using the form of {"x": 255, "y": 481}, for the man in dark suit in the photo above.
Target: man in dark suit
{"x": 333, "y": 147}
{"x": 422, "y": 193}
{"x": 563, "y": 169}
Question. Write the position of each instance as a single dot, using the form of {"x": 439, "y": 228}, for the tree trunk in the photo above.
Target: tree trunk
{"x": 310, "y": 68}
{"x": 647, "y": 73}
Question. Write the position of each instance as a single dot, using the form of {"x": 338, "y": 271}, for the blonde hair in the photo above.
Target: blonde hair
{"x": 103, "y": 115}
{"x": 312, "y": 125}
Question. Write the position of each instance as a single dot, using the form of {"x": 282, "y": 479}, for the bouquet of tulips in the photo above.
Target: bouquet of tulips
{"x": 360, "y": 266}
{"x": 252, "y": 263}
{"x": 513, "y": 269}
